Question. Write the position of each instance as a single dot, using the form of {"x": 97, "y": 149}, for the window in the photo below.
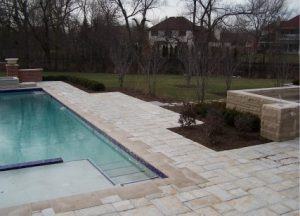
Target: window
{"x": 168, "y": 33}
{"x": 182, "y": 33}
{"x": 154, "y": 33}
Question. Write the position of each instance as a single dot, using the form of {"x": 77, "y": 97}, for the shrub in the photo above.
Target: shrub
{"x": 213, "y": 125}
{"x": 229, "y": 116}
{"x": 296, "y": 82}
{"x": 85, "y": 83}
{"x": 202, "y": 108}
{"x": 247, "y": 122}
{"x": 187, "y": 115}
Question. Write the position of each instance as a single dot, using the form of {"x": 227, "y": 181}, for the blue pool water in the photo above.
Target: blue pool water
{"x": 34, "y": 126}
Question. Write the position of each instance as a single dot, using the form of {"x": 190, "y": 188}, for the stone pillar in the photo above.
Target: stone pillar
{"x": 12, "y": 68}
{"x": 280, "y": 121}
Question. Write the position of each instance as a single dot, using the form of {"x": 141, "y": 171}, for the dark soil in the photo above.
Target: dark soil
{"x": 230, "y": 138}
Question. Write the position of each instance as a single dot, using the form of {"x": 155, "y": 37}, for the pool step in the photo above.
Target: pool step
{"x": 123, "y": 172}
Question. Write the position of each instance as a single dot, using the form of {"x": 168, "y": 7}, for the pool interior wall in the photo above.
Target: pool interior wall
{"x": 35, "y": 126}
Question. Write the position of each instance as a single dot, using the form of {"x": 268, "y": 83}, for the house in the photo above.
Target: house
{"x": 242, "y": 42}
{"x": 283, "y": 35}
{"x": 170, "y": 33}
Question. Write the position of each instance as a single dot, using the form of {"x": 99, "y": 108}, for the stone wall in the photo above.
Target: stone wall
{"x": 280, "y": 121}
{"x": 279, "y": 118}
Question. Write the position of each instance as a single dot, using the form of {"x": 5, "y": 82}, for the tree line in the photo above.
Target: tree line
{"x": 111, "y": 35}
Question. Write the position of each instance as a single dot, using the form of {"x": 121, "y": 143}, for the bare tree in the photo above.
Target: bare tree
{"x": 185, "y": 56}
{"x": 150, "y": 64}
{"x": 263, "y": 14}
{"x": 121, "y": 55}
{"x": 280, "y": 67}
{"x": 128, "y": 10}
{"x": 229, "y": 62}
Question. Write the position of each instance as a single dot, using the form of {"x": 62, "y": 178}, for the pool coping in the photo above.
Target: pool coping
{"x": 179, "y": 177}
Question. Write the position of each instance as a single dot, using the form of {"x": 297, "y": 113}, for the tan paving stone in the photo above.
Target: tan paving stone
{"x": 202, "y": 202}
{"x": 247, "y": 203}
{"x": 95, "y": 211}
{"x": 261, "y": 212}
{"x": 170, "y": 205}
{"x": 207, "y": 211}
{"x": 123, "y": 205}
{"x": 144, "y": 211}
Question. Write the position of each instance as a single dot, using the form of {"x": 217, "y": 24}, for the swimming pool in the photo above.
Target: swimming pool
{"x": 35, "y": 126}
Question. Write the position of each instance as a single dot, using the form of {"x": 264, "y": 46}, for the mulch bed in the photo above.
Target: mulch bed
{"x": 229, "y": 139}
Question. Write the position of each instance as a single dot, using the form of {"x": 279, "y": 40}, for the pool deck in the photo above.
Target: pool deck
{"x": 257, "y": 180}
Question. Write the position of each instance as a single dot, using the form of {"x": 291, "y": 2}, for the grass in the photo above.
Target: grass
{"x": 173, "y": 86}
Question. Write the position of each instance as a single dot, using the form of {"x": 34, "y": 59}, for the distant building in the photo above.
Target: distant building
{"x": 242, "y": 42}
{"x": 175, "y": 32}
{"x": 170, "y": 33}
{"x": 283, "y": 35}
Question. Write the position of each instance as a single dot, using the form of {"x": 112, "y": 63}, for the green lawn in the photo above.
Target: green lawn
{"x": 173, "y": 86}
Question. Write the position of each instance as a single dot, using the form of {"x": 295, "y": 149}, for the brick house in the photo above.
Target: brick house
{"x": 283, "y": 35}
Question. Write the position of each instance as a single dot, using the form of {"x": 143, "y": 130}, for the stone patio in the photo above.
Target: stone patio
{"x": 257, "y": 180}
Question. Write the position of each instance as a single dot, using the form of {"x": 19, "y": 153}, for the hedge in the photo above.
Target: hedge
{"x": 85, "y": 83}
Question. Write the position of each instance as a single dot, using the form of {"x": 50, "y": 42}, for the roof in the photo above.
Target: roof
{"x": 292, "y": 23}
{"x": 174, "y": 23}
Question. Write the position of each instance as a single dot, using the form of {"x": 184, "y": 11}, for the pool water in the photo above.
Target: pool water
{"x": 34, "y": 126}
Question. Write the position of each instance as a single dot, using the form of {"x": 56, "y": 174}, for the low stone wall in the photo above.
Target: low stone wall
{"x": 30, "y": 75}
{"x": 279, "y": 117}
{"x": 280, "y": 121}
{"x": 252, "y": 100}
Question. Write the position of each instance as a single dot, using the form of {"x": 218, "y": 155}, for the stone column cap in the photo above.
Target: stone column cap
{"x": 11, "y": 61}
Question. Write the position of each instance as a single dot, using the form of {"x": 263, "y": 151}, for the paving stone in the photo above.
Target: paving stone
{"x": 202, "y": 202}
{"x": 170, "y": 205}
{"x": 249, "y": 183}
{"x": 71, "y": 213}
{"x": 222, "y": 207}
{"x": 207, "y": 211}
{"x": 238, "y": 192}
{"x": 262, "y": 212}
{"x": 220, "y": 193}
{"x": 140, "y": 202}
{"x": 48, "y": 212}
{"x": 95, "y": 211}
{"x": 144, "y": 211}
{"x": 199, "y": 193}
{"x": 123, "y": 205}
{"x": 37, "y": 214}
{"x": 279, "y": 208}
{"x": 185, "y": 196}
{"x": 291, "y": 203}
{"x": 294, "y": 213}
{"x": 111, "y": 199}
{"x": 248, "y": 203}
{"x": 267, "y": 194}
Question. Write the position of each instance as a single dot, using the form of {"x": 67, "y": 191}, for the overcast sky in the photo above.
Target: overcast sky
{"x": 177, "y": 8}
